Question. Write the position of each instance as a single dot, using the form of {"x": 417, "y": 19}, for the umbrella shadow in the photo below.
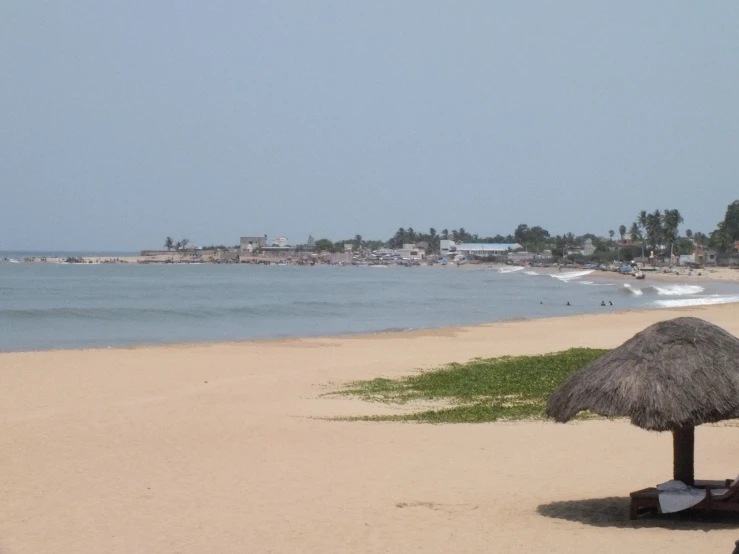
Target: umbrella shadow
{"x": 614, "y": 512}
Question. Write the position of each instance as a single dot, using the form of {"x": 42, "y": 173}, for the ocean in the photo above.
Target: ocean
{"x": 55, "y": 306}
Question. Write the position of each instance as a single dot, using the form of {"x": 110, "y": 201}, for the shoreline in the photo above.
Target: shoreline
{"x": 715, "y": 275}
{"x": 708, "y": 273}
{"x": 173, "y": 448}
{"x": 445, "y": 330}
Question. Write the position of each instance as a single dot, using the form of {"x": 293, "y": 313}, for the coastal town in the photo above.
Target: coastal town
{"x": 652, "y": 242}
{"x": 261, "y": 250}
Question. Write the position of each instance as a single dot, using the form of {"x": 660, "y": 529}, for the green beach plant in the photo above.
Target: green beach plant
{"x": 482, "y": 390}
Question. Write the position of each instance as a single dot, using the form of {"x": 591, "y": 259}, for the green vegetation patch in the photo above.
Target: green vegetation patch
{"x": 481, "y": 390}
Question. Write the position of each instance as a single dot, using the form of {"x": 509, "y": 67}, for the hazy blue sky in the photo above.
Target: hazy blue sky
{"x": 124, "y": 122}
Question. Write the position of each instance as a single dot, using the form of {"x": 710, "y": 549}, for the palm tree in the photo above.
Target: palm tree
{"x": 184, "y": 243}
{"x": 357, "y": 242}
{"x": 169, "y": 243}
{"x": 611, "y": 233}
{"x": 622, "y": 232}
{"x": 567, "y": 240}
{"x": 655, "y": 229}
{"x": 700, "y": 238}
{"x": 671, "y": 221}
{"x": 433, "y": 240}
{"x": 720, "y": 237}
{"x": 398, "y": 239}
{"x": 445, "y": 234}
{"x": 642, "y": 219}
{"x": 689, "y": 233}
{"x": 178, "y": 245}
{"x": 635, "y": 236}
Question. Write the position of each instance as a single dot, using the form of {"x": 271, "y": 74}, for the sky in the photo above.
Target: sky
{"x": 122, "y": 123}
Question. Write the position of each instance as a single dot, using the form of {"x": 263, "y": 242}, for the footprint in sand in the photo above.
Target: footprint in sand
{"x": 449, "y": 508}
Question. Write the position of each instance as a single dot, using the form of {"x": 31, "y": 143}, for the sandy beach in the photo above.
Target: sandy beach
{"x": 227, "y": 448}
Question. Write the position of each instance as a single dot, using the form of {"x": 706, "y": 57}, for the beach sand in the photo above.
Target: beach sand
{"x": 225, "y": 448}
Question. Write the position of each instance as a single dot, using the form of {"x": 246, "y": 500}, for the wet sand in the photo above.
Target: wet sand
{"x": 226, "y": 448}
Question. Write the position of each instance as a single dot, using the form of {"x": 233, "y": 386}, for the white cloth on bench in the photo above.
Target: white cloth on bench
{"x": 675, "y": 496}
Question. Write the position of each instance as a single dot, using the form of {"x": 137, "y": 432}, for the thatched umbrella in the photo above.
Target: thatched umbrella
{"x": 672, "y": 376}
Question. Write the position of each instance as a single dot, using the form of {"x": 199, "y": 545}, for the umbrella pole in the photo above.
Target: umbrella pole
{"x": 683, "y": 443}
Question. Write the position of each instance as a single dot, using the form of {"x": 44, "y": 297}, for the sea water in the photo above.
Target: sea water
{"x": 50, "y": 306}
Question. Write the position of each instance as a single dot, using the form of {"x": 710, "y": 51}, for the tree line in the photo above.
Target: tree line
{"x": 656, "y": 231}
{"x": 170, "y": 244}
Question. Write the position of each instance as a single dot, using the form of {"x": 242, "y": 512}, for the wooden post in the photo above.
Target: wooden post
{"x": 683, "y": 443}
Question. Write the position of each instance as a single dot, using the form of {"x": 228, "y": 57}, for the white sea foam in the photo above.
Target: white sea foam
{"x": 570, "y": 275}
{"x": 632, "y": 290}
{"x": 530, "y": 273}
{"x": 511, "y": 269}
{"x": 678, "y": 290}
{"x": 702, "y": 301}
{"x": 666, "y": 290}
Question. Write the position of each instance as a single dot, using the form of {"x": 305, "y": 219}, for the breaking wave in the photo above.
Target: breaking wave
{"x": 703, "y": 301}
{"x": 665, "y": 290}
{"x": 570, "y": 275}
{"x": 509, "y": 269}
{"x": 678, "y": 290}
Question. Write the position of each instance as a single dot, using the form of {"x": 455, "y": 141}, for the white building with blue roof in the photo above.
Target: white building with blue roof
{"x": 482, "y": 249}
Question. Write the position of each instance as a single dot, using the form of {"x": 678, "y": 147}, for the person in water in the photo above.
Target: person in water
{"x": 610, "y": 303}
{"x": 568, "y": 303}
{"x": 602, "y": 303}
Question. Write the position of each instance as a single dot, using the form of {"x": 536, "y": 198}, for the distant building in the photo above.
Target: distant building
{"x": 446, "y": 246}
{"x": 280, "y": 241}
{"x": 411, "y": 252}
{"x": 525, "y": 257}
{"x": 226, "y": 256}
{"x": 484, "y": 250}
{"x": 348, "y": 247}
{"x": 278, "y": 252}
{"x": 520, "y": 257}
{"x": 249, "y": 244}
{"x": 311, "y": 244}
{"x": 706, "y": 256}
{"x": 588, "y": 249}
{"x": 340, "y": 258}
{"x": 711, "y": 256}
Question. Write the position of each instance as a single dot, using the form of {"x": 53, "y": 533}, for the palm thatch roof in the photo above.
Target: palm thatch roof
{"x": 675, "y": 374}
